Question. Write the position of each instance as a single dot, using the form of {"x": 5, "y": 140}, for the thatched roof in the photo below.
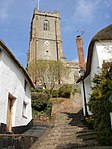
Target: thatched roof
{"x": 104, "y": 34}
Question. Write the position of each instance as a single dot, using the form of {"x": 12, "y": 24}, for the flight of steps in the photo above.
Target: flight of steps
{"x": 37, "y": 130}
{"x": 68, "y": 133}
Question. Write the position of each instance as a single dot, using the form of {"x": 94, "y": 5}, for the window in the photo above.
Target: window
{"x": 46, "y": 26}
{"x": 25, "y": 85}
{"x": 24, "y": 112}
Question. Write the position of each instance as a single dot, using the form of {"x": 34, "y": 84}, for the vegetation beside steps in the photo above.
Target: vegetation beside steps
{"x": 100, "y": 104}
{"x": 44, "y": 99}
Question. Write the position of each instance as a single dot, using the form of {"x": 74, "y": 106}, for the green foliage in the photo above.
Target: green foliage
{"x": 100, "y": 104}
{"x": 65, "y": 91}
{"x": 76, "y": 90}
{"x": 37, "y": 90}
{"x": 41, "y": 103}
{"x": 54, "y": 93}
{"x": 47, "y": 72}
{"x": 35, "y": 113}
{"x": 89, "y": 121}
{"x": 48, "y": 109}
{"x": 56, "y": 100}
{"x": 39, "y": 100}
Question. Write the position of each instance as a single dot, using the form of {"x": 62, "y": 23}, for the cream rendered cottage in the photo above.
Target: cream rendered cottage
{"x": 15, "y": 94}
{"x": 100, "y": 50}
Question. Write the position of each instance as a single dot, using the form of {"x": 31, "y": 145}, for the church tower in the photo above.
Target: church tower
{"x": 46, "y": 44}
{"x": 45, "y": 37}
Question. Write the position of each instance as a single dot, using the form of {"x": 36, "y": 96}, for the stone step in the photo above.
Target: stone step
{"x": 48, "y": 144}
{"x": 65, "y": 133}
{"x": 50, "y": 141}
{"x": 59, "y": 125}
{"x": 84, "y": 131}
{"x": 74, "y": 146}
{"x": 70, "y": 146}
{"x": 69, "y": 127}
{"x": 38, "y": 128}
{"x": 37, "y": 135}
{"x": 98, "y": 147}
{"x": 87, "y": 137}
{"x": 53, "y": 135}
{"x": 81, "y": 125}
{"x": 42, "y": 125}
{"x": 47, "y": 147}
{"x": 66, "y": 141}
{"x": 92, "y": 142}
{"x": 80, "y": 134}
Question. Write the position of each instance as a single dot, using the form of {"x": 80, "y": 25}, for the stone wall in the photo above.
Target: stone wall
{"x": 9, "y": 141}
{"x": 67, "y": 105}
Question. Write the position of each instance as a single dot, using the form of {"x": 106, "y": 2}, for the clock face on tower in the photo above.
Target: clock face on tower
{"x": 47, "y": 43}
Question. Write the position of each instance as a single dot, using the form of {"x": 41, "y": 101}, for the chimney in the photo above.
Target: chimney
{"x": 80, "y": 50}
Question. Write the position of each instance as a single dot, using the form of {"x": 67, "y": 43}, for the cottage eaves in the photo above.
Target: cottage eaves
{"x": 104, "y": 34}
{"x": 6, "y": 49}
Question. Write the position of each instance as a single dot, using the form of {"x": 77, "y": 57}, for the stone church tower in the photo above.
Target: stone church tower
{"x": 46, "y": 43}
{"x": 45, "y": 37}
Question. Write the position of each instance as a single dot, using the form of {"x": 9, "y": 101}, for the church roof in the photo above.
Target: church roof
{"x": 6, "y": 49}
{"x": 104, "y": 34}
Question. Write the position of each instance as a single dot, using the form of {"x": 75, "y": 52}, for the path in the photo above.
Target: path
{"x": 68, "y": 133}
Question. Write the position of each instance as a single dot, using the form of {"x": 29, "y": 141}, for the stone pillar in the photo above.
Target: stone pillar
{"x": 80, "y": 50}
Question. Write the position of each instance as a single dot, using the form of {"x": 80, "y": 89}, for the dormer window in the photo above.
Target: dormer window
{"x": 46, "y": 26}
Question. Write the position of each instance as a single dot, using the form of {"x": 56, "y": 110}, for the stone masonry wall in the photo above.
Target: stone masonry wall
{"x": 67, "y": 105}
{"x": 9, "y": 141}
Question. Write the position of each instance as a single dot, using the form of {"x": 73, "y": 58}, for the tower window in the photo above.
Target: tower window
{"x": 46, "y": 25}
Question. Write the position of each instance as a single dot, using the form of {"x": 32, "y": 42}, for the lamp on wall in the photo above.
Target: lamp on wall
{"x": 82, "y": 73}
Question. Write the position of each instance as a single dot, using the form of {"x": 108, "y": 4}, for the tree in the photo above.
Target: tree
{"x": 100, "y": 104}
{"x": 47, "y": 72}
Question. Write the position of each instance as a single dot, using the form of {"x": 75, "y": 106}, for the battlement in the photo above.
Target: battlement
{"x": 73, "y": 64}
{"x": 49, "y": 14}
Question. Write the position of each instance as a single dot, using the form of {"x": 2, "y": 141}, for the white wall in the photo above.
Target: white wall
{"x": 87, "y": 86}
{"x": 101, "y": 51}
{"x": 104, "y": 50}
{"x": 13, "y": 82}
{"x": 95, "y": 63}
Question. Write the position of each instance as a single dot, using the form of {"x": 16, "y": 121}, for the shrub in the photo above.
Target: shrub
{"x": 54, "y": 93}
{"x": 48, "y": 109}
{"x": 76, "y": 90}
{"x": 37, "y": 90}
{"x": 89, "y": 121}
{"x": 100, "y": 104}
{"x": 39, "y": 100}
{"x": 65, "y": 91}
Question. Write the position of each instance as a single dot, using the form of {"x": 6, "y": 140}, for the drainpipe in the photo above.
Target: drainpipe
{"x": 84, "y": 95}
{"x": 80, "y": 50}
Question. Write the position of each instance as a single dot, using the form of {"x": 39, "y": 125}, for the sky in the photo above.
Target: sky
{"x": 77, "y": 17}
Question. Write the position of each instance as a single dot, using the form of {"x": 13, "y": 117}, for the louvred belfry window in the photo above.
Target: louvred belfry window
{"x": 46, "y": 25}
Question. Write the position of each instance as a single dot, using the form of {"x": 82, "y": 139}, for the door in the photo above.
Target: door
{"x": 11, "y": 100}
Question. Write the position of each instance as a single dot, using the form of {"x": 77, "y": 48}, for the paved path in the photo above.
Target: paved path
{"x": 68, "y": 133}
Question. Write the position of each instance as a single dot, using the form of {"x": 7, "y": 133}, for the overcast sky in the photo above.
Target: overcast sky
{"x": 89, "y": 16}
